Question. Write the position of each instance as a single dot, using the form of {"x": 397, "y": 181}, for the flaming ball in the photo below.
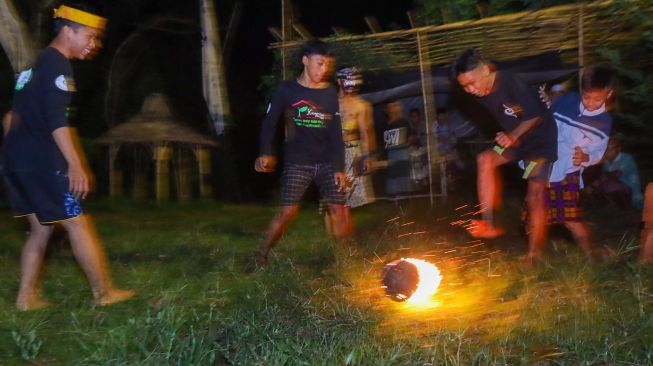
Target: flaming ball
{"x": 410, "y": 279}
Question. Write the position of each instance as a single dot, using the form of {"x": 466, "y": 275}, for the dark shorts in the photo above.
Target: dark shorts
{"x": 534, "y": 168}
{"x": 44, "y": 194}
{"x": 297, "y": 178}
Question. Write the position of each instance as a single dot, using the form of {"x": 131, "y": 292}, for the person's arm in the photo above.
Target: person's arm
{"x": 267, "y": 161}
{"x": 6, "y": 122}
{"x": 511, "y": 138}
{"x": 366, "y": 129}
{"x": 78, "y": 177}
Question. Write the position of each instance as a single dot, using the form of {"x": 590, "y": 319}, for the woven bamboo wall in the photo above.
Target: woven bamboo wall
{"x": 575, "y": 31}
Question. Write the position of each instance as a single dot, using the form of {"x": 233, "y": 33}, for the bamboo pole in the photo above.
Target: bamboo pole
{"x": 427, "y": 98}
{"x": 286, "y": 34}
{"x": 204, "y": 168}
{"x": 162, "y": 154}
{"x": 115, "y": 175}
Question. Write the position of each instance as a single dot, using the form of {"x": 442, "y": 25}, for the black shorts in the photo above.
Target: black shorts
{"x": 297, "y": 178}
{"x": 44, "y": 194}
{"x": 534, "y": 168}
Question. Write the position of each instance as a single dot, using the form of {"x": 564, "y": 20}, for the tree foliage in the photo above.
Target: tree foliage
{"x": 447, "y": 11}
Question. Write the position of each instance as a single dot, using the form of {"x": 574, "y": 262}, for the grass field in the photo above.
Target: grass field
{"x": 319, "y": 303}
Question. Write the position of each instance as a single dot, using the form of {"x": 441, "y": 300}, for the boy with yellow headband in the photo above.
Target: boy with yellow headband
{"x": 46, "y": 176}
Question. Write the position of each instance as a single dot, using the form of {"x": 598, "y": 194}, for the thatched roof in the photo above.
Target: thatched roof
{"x": 154, "y": 124}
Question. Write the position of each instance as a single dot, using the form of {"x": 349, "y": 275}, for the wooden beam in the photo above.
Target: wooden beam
{"x": 373, "y": 24}
{"x": 276, "y": 33}
{"x": 230, "y": 36}
{"x": 286, "y": 35}
{"x": 337, "y": 31}
{"x": 302, "y": 31}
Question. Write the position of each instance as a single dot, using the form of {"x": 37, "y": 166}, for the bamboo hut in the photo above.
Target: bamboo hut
{"x": 167, "y": 141}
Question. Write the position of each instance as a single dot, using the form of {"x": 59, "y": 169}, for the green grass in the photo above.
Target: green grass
{"x": 319, "y": 303}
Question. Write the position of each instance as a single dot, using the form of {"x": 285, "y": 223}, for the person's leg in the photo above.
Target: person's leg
{"x": 276, "y": 229}
{"x": 582, "y": 236}
{"x": 91, "y": 257}
{"x": 31, "y": 262}
{"x": 338, "y": 214}
{"x": 489, "y": 191}
{"x": 646, "y": 240}
{"x": 646, "y": 246}
{"x": 537, "y": 225}
{"x": 328, "y": 223}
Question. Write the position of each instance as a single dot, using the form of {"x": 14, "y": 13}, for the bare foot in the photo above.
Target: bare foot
{"x": 604, "y": 255}
{"x": 35, "y": 302}
{"x": 113, "y": 296}
{"x": 483, "y": 230}
{"x": 531, "y": 260}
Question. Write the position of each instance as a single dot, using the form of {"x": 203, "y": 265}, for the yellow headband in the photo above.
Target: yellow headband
{"x": 81, "y": 17}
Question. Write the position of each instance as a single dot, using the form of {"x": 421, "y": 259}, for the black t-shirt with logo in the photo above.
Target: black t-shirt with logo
{"x": 512, "y": 102}
{"x": 312, "y": 121}
{"x": 42, "y": 95}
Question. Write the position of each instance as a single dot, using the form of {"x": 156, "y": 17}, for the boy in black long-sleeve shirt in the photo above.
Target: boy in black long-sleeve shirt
{"x": 313, "y": 148}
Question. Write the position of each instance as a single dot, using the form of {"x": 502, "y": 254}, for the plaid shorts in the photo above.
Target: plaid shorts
{"x": 297, "y": 178}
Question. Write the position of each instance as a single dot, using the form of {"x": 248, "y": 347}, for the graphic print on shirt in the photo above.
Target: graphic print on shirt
{"x": 512, "y": 110}
{"x": 309, "y": 115}
{"x": 394, "y": 137}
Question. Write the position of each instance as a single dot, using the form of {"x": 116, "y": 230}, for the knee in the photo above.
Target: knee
{"x": 337, "y": 210}
{"x": 486, "y": 159}
{"x": 535, "y": 195}
{"x": 75, "y": 223}
{"x": 287, "y": 213}
{"x": 41, "y": 230}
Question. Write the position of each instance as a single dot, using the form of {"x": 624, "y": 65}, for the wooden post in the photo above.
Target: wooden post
{"x": 162, "y": 154}
{"x": 182, "y": 176}
{"x": 115, "y": 175}
{"x": 204, "y": 168}
{"x": 429, "y": 106}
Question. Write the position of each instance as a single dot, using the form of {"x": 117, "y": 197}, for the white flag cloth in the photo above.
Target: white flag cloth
{"x": 14, "y": 37}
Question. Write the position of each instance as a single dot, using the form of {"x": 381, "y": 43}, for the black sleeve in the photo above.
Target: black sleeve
{"x": 58, "y": 86}
{"x": 269, "y": 125}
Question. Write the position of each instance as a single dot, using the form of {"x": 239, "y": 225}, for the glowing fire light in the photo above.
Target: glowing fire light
{"x": 410, "y": 279}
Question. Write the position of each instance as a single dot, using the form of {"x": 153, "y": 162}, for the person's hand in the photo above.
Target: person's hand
{"x": 341, "y": 180}
{"x": 78, "y": 181}
{"x": 505, "y": 140}
{"x": 368, "y": 164}
{"x": 579, "y": 156}
{"x": 265, "y": 164}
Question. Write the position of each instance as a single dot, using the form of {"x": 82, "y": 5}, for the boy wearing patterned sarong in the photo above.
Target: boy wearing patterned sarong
{"x": 584, "y": 127}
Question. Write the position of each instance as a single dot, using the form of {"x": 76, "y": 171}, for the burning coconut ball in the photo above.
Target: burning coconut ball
{"x": 410, "y": 279}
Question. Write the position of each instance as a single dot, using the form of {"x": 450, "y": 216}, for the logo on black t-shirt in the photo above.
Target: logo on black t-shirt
{"x": 512, "y": 110}
{"x": 309, "y": 115}
{"x": 65, "y": 83}
{"x": 23, "y": 79}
